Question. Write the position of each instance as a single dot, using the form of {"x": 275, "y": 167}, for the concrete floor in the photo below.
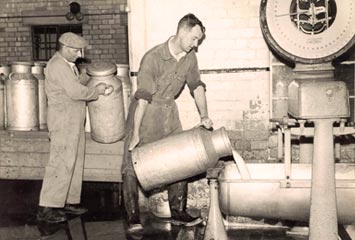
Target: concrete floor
{"x": 154, "y": 229}
{"x": 18, "y": 207}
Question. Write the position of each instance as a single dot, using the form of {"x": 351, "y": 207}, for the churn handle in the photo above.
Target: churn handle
{"x": 10, "y": 77}
{"x": 199, "y": 125}
{"x": 109, "y": 92}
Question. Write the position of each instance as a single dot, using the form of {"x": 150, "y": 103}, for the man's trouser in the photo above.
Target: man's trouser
{"x": 64, "y": 172}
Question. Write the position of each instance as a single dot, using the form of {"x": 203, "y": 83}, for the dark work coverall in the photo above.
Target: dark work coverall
{"x": 161, "y": 79}
{"x": 66, "y": 115}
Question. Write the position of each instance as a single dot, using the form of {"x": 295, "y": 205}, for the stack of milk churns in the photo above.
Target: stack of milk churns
{"x": 23, "y": 102}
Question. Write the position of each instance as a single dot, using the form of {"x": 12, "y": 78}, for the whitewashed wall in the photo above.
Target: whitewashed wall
{"x": 233, "y": 41}
{"x": 238, "y": 100}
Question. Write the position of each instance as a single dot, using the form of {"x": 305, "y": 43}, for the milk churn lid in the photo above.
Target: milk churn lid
{"x": 83, "y": 66}
{"x": 40, "y": 64}
{"x": 23, "y": 63}
{"x": 99, "y": 69}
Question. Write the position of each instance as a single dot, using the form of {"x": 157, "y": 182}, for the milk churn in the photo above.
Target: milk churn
{"x": 38, "y": 72}
{"x": 4, "y": 73}
{"x": 179, "y": 156}
{"x": 22, "y": 98}
{"x": 4, "y": 69}
{"x": 123, "y": 75}
{"x": 106, "y": 114}
{"x": 83, "y": 75}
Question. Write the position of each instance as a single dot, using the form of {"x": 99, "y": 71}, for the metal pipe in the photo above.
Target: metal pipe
{"x": 61, "y": 15}
{"x": 280, "y": 151}
{"x": 225, "y": 70}
{"x": 287, "y": 153}
{"x": 323, "y": 223}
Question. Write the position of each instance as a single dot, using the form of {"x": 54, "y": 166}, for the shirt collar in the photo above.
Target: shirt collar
{"x": 71, "y": 64}
{"x": 177, "y": 57}
{"x": 166, "y": 52}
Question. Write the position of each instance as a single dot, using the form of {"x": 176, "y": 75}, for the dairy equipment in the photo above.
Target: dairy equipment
{"x": 179, "y": 156}
{"x": 4, "y": 73}
{"x": 38, "y": 72}
{"x": 107, "y": 119}
{"x": 310, "y": 34}
{"x": 22, "y": 98}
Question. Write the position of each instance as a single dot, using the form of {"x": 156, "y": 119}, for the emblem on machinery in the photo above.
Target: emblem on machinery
{"x": 313, "y": 16}
{"x": 308, "y": 31}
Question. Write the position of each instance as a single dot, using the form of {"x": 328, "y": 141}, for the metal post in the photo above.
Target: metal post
{"x": 215, "y": 227}
{"x": 287, "y": 153}
{"x": 280, "y": 150}
{"x": 323, "y": 223}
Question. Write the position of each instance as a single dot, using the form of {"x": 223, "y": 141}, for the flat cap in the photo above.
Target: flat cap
{"x": 72, "y": 40}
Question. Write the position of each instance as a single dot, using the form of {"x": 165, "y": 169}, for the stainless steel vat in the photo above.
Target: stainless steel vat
{"x": 268, "y": 194}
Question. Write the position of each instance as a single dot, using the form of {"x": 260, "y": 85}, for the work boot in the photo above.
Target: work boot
{"x": 74, "y": 209}
{"x": 130, "y": 198}
{"x": 51, "y": 215}
{"x": 178, "y": 199}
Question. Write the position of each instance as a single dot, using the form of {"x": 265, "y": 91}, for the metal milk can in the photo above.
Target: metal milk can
{"x": 106, "y": 113}
{"x": 4, "y": 73}
{"x": 123, "y": 75}
{"x": 4, "y": 70}
{"x": 22, "y": 98}
{"x": 38, "y": 72}
{"x": 83, "y": 75}
{"x": 179, "y": 156}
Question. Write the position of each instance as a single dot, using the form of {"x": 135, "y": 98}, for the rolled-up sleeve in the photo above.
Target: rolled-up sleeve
{"x": 193, "y": 78}
{"x": 146, "y": 80}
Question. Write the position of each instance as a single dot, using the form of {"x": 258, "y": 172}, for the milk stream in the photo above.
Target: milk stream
{"x": 243, "y": 169}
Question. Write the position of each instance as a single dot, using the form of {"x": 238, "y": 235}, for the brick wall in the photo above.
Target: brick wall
{"x": 105, "y": 28}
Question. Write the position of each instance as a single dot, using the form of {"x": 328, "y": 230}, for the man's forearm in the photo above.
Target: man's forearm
{"x": 201, "y": 102}
{"x": 138, "y": 115}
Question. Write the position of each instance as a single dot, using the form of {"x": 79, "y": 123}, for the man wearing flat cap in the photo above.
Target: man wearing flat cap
{"x": 61, "y": 188}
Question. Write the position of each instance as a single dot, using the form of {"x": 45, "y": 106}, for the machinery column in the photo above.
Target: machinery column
{"x": 323, "y": 223}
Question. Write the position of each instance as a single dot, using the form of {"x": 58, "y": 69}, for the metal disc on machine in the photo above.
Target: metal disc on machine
{"x": 308, "y": 31}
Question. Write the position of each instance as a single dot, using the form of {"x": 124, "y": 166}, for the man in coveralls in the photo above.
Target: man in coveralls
{"x": 153, "y": 113}
{"x": 61, "y": 188}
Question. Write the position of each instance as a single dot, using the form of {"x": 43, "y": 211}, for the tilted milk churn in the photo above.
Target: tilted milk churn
{"x": 4, "y": 73}
{"x": 106, "y": 113}
{"x": 179, "y": 156}
{"x": 22, "y": 98}
{"x": 38, "y": 72}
